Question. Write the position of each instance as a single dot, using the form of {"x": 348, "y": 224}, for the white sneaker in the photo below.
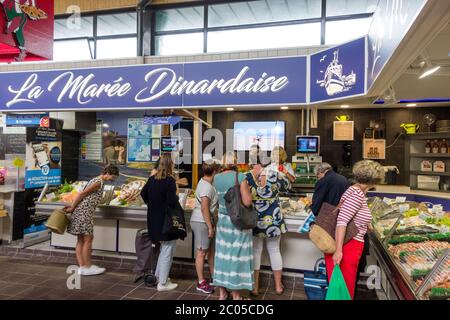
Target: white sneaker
{"x": 169, "y": 286}
{"x": 92, "y": 271}
{"x": 80, "y": 270}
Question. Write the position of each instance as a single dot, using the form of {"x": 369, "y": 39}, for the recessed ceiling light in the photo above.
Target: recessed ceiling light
{"x": 411, "y": 105}
{"x": 230, "y": 109}
{"x": 345, "y": 106}
{"x": 284, "y": 108}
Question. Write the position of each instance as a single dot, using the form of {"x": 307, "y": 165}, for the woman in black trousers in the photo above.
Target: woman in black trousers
{"x": 160, "y": 193}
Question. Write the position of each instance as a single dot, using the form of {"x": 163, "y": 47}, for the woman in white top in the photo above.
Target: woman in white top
{"x": 279, "y": 164}
{"x": 203, "y": 225}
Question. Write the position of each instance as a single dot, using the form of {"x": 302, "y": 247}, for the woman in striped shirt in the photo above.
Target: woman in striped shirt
{"x": 353, "y": 206}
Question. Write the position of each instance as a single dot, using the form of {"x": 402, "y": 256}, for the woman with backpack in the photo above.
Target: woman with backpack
{"x": 160, "y": 193}
{"x": 233, "y": 263}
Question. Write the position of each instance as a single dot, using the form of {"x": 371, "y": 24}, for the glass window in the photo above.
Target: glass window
{"x": 347, "y": 7}
{"x": 74, "y": 27}
{"x": 121, "y": 23}
{"x": 187, "y": 43}
{"x": 264, "y": 38}
{"x": 179, "y": 19}
{"x": 341, "y": 31}
{"x": 67, "y": 50}
{"x": 262, "y": 11}
{"x": 117, "y": 48}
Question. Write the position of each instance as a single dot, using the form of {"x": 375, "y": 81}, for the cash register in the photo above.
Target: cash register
{"x": 306, "y": 160}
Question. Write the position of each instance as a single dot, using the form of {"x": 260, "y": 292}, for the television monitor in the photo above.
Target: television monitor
{"x": 308, "y": 144}
{"x": 266, "y": 134}
{"x": 169, "y": 144}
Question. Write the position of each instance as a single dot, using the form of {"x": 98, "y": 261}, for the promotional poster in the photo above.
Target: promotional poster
{"x": 43, "y": 155}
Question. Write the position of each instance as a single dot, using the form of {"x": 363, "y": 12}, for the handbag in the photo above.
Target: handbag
{"x": 241, "y": 216}
{"x": 316, "y": 281}
{"x": 174, "y": 226}
{"x": 58, "y": 221}
{"x": 324, "y": 229}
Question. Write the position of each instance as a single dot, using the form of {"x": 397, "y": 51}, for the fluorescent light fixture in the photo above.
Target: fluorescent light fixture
{"x": 411, "y": 105}
{"x": 230, "y": 109}
{"x": 105, "y": 125}
{"x": 429, "y": 71}
{"x": 284, "y": 108}
{"x": 345, "y": 106}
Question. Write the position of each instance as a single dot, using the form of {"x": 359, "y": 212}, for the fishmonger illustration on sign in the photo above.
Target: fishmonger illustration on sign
{"x": 21, "y": 11}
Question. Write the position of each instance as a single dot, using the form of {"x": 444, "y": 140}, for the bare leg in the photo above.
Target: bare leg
{"x": 236, "y": 295}
{"x": 223, "y": 293}
{"x": 211, "y": 254}
{"x": 199, "y": 264}
{"x": 87, "y": 250}
{"x": 277, "y": 274}
{"x": 79, "y": 250}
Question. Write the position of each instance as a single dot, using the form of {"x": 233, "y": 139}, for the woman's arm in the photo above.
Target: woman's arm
{"x": 246, "y": 195}
{"x": 172, "y": 198}
{"x": 205, "y": 202}
{"x": 144, "y": 192}
{"x": 83, "y": 194}
{"x": 349, "y": 208}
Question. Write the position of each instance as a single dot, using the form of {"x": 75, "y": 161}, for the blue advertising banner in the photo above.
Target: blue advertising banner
{"x": 339, "y": 72}
{"x": 26, "y": 119}
{"x": 163, "y": 120}
{"x": 391, "y": 22}
{"x": 43, "y": 155}
{"x": 242, "y": 82}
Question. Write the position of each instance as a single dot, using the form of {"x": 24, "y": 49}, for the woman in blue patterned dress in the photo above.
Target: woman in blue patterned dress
{"x": 233, "y": 261}
{"x": 265, "y": 185}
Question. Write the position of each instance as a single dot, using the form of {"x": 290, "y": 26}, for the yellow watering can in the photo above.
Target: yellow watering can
{"x": 343, "y": 118}
{"x": 410, "y": 128}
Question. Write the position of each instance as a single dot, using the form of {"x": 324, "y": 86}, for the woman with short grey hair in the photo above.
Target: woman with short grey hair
{"x": 353, "y": 206}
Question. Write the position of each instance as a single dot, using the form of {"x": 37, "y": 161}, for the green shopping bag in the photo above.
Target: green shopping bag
{"x": 337, "y": 289}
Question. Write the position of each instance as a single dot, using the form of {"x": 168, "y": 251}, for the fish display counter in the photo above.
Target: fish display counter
{"x": 122, "y": 213}
{"x": 410, "y": 244}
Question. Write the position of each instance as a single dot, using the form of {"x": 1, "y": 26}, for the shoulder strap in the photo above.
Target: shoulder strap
{"x": 237, "y": 179}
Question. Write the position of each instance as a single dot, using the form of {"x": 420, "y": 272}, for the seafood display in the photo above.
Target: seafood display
{"x": 416, "y": 238}
{"x": 129, "y": 194}
{"x": 295, "y": 207}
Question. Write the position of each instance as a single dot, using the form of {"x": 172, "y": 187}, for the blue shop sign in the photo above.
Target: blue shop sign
{"x": 224, "y": 83}
{"x": 26, "y": 120}
{"x": 339, "y": 72}
{"x": 390, "y": 24}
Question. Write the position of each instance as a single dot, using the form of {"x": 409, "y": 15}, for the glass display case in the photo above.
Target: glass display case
{"x": 415, "y": 238}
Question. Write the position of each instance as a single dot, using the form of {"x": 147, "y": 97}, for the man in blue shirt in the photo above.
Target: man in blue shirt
{"x": 329, "y": 188}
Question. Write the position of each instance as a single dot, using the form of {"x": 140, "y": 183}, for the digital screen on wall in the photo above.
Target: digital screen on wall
{"x": 266, "y": 134}
{"x": 169, "y": 144}
{"x": 308, "y": 144}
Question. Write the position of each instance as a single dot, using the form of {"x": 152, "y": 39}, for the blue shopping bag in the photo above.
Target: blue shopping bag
{"x": 316, "y": 281}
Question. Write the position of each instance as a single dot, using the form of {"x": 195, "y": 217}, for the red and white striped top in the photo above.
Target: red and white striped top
{"x": 354, "y": 206}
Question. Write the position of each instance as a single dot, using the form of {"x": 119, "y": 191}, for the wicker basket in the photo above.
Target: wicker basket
{"x": 58, "y": 221}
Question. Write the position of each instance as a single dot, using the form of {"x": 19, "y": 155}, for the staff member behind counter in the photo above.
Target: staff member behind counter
{"x": 280, "y": 164}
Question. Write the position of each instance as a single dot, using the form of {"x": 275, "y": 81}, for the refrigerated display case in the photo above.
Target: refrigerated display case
{"x": 410, "y": 241}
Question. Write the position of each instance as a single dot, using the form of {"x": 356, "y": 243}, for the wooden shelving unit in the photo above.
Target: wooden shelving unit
{"x": 414, "y": 155}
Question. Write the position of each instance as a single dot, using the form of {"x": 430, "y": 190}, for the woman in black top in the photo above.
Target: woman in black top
{"x": 159, "y": 193}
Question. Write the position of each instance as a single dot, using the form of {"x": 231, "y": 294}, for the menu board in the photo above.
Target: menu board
{"x": 143, "y": 141}
{"x": 15, "y": 143}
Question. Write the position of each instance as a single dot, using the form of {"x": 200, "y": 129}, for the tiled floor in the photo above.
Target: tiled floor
{"x": 24, "y": 279}
{"x": 41, "y": 275}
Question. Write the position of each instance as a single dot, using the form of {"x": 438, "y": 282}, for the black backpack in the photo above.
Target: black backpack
{"x": 242, "y": 217}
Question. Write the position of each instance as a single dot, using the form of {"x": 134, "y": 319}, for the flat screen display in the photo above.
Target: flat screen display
{"x": 308, "y": 144}
{"x": 169, "y": 144}
{"x": 266, "y": 134}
